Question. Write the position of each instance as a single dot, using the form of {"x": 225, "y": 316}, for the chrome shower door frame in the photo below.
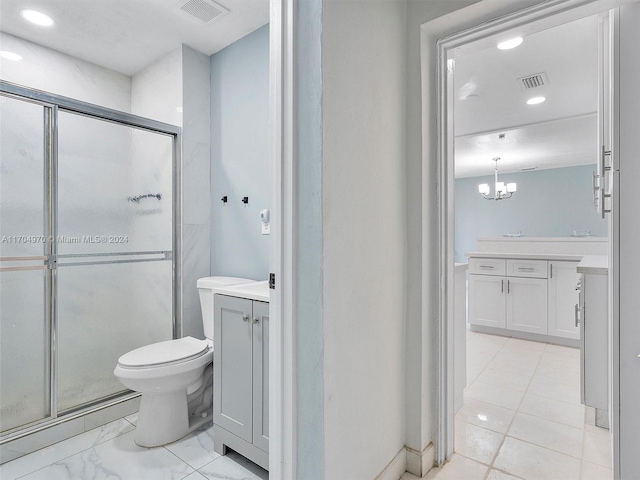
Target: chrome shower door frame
{"x": 53, "y": 104}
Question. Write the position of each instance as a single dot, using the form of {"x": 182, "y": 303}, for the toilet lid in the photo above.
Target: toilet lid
{"x": 170, "y": 351}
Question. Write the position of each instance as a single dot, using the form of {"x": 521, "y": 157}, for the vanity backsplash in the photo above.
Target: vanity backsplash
{"x": 554, "y": 245}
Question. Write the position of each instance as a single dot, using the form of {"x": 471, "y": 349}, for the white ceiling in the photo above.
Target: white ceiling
{"x": 557, "y": 133}
{"x": 128, "y": 35}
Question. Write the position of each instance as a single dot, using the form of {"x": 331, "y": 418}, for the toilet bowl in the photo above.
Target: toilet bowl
{"x": 175, "y": 377}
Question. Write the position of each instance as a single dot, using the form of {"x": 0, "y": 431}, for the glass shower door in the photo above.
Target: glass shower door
{"x": 24, "y": 276}
{"x": 114, "y": 273}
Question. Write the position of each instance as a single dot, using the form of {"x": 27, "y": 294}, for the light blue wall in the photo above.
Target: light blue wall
{"x": 240, "y": 156}
{"x": 308, "y": 237}
{"x": 548, "y": 203}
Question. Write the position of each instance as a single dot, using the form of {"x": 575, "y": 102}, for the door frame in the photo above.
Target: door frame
{"x": 438, "y": 38}
{"x": 282, "y": 334}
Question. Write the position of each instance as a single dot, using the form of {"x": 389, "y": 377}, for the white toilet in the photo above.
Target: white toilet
{"x": 175, "y": 377}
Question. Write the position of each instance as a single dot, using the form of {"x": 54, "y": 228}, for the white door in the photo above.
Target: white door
{"x": 487, "y": 300}
{"x": 527, "y": 304}
{"x": 626, "y": 266}
{"x": 563, "y": 297}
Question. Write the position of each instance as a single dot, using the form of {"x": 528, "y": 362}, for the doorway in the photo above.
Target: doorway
{"x": 549, "y": 16}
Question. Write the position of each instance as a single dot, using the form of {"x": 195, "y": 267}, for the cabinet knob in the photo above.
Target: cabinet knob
{"x": 255, "y": 321}
{"x": 245, "y": 318}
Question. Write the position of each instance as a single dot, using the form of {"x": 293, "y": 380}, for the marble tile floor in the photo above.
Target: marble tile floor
{"x": 109, "y": 452}
{"x": 522, "y": 418}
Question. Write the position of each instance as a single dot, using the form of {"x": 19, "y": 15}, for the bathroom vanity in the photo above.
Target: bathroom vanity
{"x": 526, "y": 295}
{"x": 526, "y": 287}
{"x": 241, "y": 371}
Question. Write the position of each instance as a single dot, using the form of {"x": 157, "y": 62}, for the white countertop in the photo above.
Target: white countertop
{"x": 591, "y": 264}
{"x": 253, "y": 291}
{"x": 528, "y": 256}
{"x": 461, "y": 267}
{"x": 594, "y": 265}
{"x": 524, "y": 238}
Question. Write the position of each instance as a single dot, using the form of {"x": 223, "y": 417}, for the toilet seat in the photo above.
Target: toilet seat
{"x": 165, "y": 353}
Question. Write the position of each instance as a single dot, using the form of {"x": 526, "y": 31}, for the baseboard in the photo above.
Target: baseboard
{"x": 419, "y": 463}
{"x": 396, "y": 467}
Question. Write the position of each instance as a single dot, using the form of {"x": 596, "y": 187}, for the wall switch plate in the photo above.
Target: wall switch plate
{"x": 266, "y": 228}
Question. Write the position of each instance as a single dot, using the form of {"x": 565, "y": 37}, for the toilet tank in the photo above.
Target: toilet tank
{"x": 205, "y": 290}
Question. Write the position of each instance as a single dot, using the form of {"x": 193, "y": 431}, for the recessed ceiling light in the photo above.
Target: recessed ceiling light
{"x": 509, "y": 44}
{"x": 38, "y": 18}
{"x": 10, "y": 56}
{"x": 535, "y": 100}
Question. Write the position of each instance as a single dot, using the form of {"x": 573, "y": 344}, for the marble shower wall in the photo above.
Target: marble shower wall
{"x": 22, "y": 303}
{"x": 45, "y": 69}
{"x": 196, "y": 193}
{"x": 175, "y": 89}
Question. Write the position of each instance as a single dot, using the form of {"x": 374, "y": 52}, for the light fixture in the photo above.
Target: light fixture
{"x": 509, "y": 44}
{"x": 535, "y": 100}
{"x": 10, "y": 56}
{"x": 501, "y": 190}
{"x": 38, "y": 18}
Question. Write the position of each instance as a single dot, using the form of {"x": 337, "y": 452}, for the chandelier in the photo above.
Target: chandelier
{"x": 501, "y": 190}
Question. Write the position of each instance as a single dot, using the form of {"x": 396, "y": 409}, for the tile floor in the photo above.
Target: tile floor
{"x": 522, "y": 416}
{"x": 109, "y": 452}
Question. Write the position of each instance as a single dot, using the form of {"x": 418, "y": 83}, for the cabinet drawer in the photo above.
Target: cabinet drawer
{"x": 487, "y": 266}
{"x": 527, "y": 268}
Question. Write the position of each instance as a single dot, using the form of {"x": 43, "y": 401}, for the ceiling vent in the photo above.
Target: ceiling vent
{"x": 533, "y": 81}
{"x": 204, "y": 10}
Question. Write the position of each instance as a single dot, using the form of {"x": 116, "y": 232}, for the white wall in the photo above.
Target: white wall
{"x": 364, "y": 85}
{"x": 421, "y": 323}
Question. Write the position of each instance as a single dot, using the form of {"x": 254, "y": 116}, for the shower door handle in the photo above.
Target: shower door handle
{"x": 15, "y": 263}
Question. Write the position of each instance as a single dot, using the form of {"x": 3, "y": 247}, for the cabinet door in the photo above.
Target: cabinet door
{"x": 261, "y": 375}
{"x": 595, "y": 347}
{"x": 232, "y": 366}
{"x": 563, "y": 297}
{"x": 487, "y": 300}
{"x": 527, "y": 304}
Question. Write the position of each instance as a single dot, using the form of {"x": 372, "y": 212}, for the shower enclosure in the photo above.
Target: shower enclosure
{"x": 89, "y": 214}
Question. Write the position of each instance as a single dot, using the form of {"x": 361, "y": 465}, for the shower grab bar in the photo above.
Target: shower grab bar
{"x": 137, "y": 198}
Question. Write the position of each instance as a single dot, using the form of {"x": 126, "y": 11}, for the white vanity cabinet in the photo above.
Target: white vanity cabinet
{"x": 591, "y": 312}
{"x": 527, "y": 304}
{"x": 241, "y": 377}
{"x": 533, "y": 296}
{"x": 502, "y": 294}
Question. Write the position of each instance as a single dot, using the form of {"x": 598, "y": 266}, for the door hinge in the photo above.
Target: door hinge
{"x": 272, "y": 281}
